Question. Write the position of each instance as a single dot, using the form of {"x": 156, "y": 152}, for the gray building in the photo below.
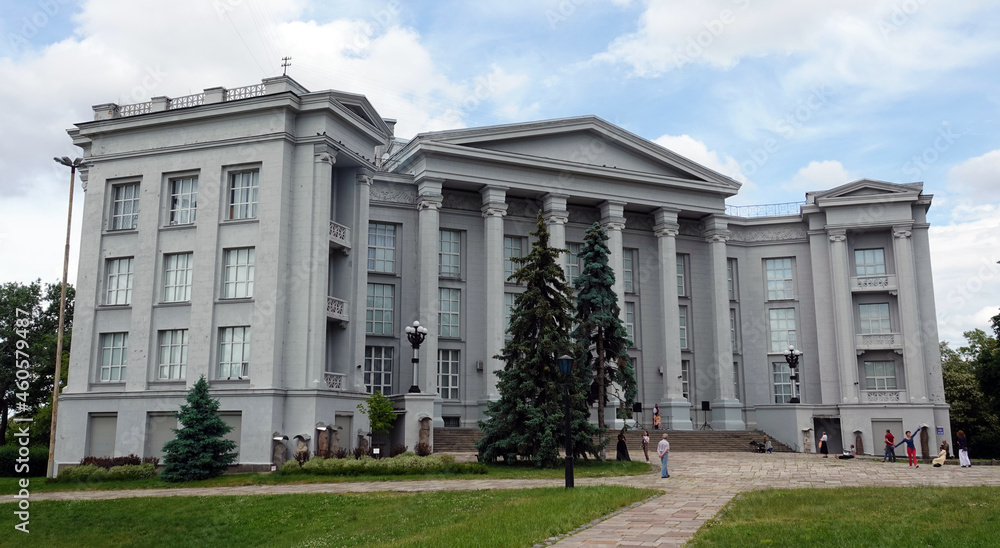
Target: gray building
{"x": 277, "y": 241}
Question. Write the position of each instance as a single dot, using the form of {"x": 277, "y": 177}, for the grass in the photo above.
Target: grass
{"x": 582, "y": 469}
{"x": 494, "y": 518}
{"x": 858, "y": 516}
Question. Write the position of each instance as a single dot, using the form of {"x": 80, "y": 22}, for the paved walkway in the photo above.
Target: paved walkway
{"x": 700, "y": 484}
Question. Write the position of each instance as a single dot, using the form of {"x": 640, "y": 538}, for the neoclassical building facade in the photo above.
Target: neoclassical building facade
{"x": 278, "y": 241}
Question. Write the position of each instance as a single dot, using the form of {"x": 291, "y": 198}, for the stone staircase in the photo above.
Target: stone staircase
{"x": 463, "y": 440}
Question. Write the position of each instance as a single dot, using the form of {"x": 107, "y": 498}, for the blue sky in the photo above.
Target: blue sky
{"x": 780, "y": 95}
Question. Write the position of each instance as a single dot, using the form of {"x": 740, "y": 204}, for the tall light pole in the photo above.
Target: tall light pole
{"x": 566, "y": 367}
{"x": 792, "y": 359}
{"x": 72, "y": 165}
{"x": 416, "y": 334}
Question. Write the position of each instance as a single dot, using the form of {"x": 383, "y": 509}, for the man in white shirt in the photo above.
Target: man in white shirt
{"x": 663, "y": 449}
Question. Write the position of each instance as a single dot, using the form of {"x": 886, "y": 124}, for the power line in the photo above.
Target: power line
{"x": 263, "y": 72}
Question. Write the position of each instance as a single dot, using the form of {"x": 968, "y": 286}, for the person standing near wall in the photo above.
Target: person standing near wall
{"x": 890, "y": 445}
{"x": 663, "y": 450}
{"x": 963, "y": 449}
{"x": 823, "y": 446}
{"x": 911, "y": 449}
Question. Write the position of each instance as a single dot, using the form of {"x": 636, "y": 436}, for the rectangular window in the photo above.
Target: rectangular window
{"x": 449, "y": 254}
{"x": 125, "y": 206}
{"x": 173, "y": 354}
{"x": 234, "y": 352}
{"x": 573, "y": 262}
{"x": 378, "y": 369}
{"x": 177, "y": 277}
{"x": 630, "y": 321}
{"x": 114, "y": 356}
{"x": 875, "y": 318}
{"x": 508, "y": 306}
{"x": 880, "y": 376}
{"x": 736, "y": 379}
{"x": 379, "y": 309}
{"x": 448, "y": 315}
{"x": 779, "y": 279}
{"x": 243, "y": 194}
{"x": 680, "y": 276}
{"x": 628, "y": 271}
{"x": 381, "y": 247}
{"x": 683, "y": 318}
{"x": 183, "y": 200}
{"x": 238, "y": 273}
{"x": 732, "y": 328}
{"x": 731, "y": 278}
{"x": 869, "y": 262}
{"x": 686, "y": 379}
{"x": 782, "y": 382}
{"x": 512, "y": 249}
{"x": 119, "y": 287}
{"x": 448, "y": 374}
{"x": 782, "y": 323}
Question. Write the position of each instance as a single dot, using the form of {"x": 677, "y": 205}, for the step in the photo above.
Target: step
{"x": 463, "y": 440}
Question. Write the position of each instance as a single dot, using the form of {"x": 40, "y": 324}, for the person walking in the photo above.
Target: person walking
{"x": 890, "y": 441}
{"x": 663, "y": 450}
{"x": 823, "y": 447}
{"x": 911, "y": 449}
{"x": 645, "y": 444}
{"x": 963, "y": 449}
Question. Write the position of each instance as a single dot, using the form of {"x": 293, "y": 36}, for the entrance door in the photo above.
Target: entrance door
{"x": 830, "y": 425}
{"x": 879, "y": 426}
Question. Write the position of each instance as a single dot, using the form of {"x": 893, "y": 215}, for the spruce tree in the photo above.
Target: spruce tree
{"x": 600, "y": 334}
{"x": 528, "y": 420}
{"x": 198, "y": 450}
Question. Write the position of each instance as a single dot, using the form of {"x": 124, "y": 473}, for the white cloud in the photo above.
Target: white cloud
{"x": 822, "y": 175}
{"x": 698, "y": 151}
{"x": 977, "y": 177}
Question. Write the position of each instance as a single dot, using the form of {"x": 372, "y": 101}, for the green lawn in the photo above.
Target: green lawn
{"x": 582, "y": 469}
{"x": 861, "y": 516}
{"x": 497, "y": 518}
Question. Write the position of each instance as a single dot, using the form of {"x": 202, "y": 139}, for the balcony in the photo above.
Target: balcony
{"x": 884, "y": 282}
{"x": 883, "y": 396}
{"x": 879, "y": 341}
{"x": 334, "y": 381}
{"x": 340, "y": 237}
{"x": 336, "y": 310}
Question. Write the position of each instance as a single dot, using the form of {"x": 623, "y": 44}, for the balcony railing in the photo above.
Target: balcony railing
{"x": 879, "y": 341}
{"x": 186, "y": 101}
{"x": 883, "y": 396}
{"x": 336, "y": 309}
{"x": 340, "y": 235}
{"x": 334, "y": 381}
{"x": 764, "y": 210}
{"x": 244, "y": 92}
{"x": 884, "y": 282}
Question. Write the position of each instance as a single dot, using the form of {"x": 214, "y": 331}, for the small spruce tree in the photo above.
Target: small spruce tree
{"x": 600, "y": 334}
{"x": 198, "y": 450}
{"x": 528, "y": 419}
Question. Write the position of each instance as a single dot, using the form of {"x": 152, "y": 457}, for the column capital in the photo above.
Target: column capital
{"x": 365, "y": 177}
{"x": 323, "y": 153}
{"x": 837, "y": 234}
{"x": 429, "y": 201}
{"x": 556, "y": 217}
{"x": 717, "y": 236}
{"x": 494, "y": 209}
{"x": 613, "y": 223}
{"x": 84, "y": 177}
{"x": 662, "y": 230}
{"x": 901, "y": 232}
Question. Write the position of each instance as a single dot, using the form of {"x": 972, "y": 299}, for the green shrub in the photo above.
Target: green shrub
{"x": 290, "y": 467}
{"x": 404, "y": 464}
{"x": 90, "y": 473}
{"x": 132, "y": 472}
{"x": 38, "y": 461}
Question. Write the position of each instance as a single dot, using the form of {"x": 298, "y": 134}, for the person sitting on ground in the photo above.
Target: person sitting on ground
{"x": 767, "y": 445}
{"x": 942, "y": 456}
{"x": 848, "y": 454}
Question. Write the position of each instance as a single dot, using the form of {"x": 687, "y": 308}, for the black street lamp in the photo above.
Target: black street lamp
{"x": 416, "y": 334}
{"x": 792, "y": 358}
{"x": 566, "y": 367}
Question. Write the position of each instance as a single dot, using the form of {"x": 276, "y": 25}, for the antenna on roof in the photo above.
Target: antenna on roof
{"x": 285, "y": 64}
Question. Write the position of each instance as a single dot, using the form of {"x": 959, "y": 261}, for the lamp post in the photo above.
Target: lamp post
{"x": 416, "y": 334}
{"x": 566, "y": 367}
{"x": 792, "y": 359}
{"x": 72, "y": 165}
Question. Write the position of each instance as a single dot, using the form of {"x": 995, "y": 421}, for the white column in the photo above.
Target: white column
{"x": 318, "y": 259}
{"x": 613, "y": 221}
{"x": 673, "y": 405}
{"x": 913, "y": 359}
{"x": 428, "y": 202}
{"x": 555, "y": 214}
{"x": 494, "y": 208}
{"x": 727, "y": 412}
{"x": 360, "y": 243}
{"x": 843, "y": 316}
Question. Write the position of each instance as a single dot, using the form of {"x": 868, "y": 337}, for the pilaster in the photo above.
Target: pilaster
{"x": 727, "y": 411}
{"x": 613, "y": 221}
{"x": 843, "y": 315}
{"x": 913, "y": 358}
{"x": 429, "y": 200}
{"x": 494, "y": 208}
{"x": 672, "y": 404}
{"x": 362, "y": 217}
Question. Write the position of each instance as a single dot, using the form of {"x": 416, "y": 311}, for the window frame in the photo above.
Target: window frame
{"x": 451, "y": 390}
{"x": 681, "y": 275}
{"x": 873, "y": 378}
{"x": 453, "y": 297}
{"x": 172, "y": 274}
{"x": 113, "y": 281}
{"x": 509, "y": 266}
{"x": 630, "y": 323}
{"x": 247, "y": 208}
{"x": 116, "y": 216}
{"x": 865, "y": 324}
{"x": 629, "y": 260}
{"x": 244, "y": 343}
{"x": 682, "y": 317}
{"x": 772, "y": 271}
{"x": 167, "y": 341}
{"x": 176, "y": 200}
{"x": 791, "y": 335}
{"x": 865, "y": 265}
{"x": 372, "y": 299}
{"x": 573, "y": 262}
{"x": 780, "y": 372}
{"x": 454, "y": 254}
{"x": 508, "y": 309}
{"x": 383, "y": 372}
{"x": 248, "y": 268}
{"x": 732, "y": 282}
{"x": 686, "y": 379}
{"x": 388, "y": 259}
{"x": 108, "y": 363}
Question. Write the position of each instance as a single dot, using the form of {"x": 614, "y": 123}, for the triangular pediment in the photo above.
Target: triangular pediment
{"x": 864, "y": 190}
{"x": 584, "y": 141}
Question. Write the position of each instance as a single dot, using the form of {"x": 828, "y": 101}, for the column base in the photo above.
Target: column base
{"x": 676, "y": 414}
{"x": 727, "y": 415}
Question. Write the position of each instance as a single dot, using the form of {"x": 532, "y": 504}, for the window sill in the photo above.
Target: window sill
{"x": 107, "y": 386}
{"x": 234, "y": 300}
{"x": 230, "y": 382}
{"x": 167, "y": 383}
{"x": 178, "y": 226}
{"x": 172, "y": 304}
{"x": 114, "y": 307}
{"x": 382, "y": 335}
{"x": 240, "y": 221}
{"x": 121, "y": 231}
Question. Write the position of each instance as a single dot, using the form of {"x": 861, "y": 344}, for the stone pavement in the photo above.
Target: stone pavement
{"x": 700, "y": 484}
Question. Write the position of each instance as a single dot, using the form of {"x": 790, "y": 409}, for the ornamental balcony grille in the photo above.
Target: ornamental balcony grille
{"x": 340, "y": 236}
{"x": 765, "y": 210}
{"x": 186, "y": 101}
{"x": 336, "y": 309}
{"x": 879, "y": 341}
{"x": 882, "y": 282}
{"x": 883, "y": 396}
{"x": 244, "y": 92}
{"x": 133, "y": 109}
{"x": 334, "y": 381}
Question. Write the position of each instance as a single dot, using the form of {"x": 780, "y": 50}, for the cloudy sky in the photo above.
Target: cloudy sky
{"x": 780, "y": 95}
